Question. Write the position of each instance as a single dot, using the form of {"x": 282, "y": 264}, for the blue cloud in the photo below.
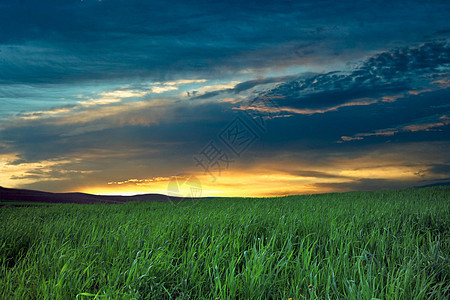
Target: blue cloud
{"x": 54, "y": 41}
{"x": 388, "y": 73}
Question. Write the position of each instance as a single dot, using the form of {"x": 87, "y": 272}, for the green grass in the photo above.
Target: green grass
{"x": 359, "y": 245}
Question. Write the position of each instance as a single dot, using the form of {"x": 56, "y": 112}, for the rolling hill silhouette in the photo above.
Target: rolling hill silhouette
{"x": 19, "y": 195}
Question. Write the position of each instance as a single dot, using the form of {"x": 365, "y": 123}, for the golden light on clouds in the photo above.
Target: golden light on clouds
{"x": 163, "y": 89}
{"x": 229, "y": 184}
{"x": 360, "y": 102}
{"x": 44, "y": 113}
{"x": 390, "y": 172}
{"x": 100, "y": 101}
{"x": 276, "y": 177}
{"x": 14, "y": 175}
{"x": 123, "y": 94}
{"x": 184, "y": 81}
{"x": 283, "y": 178}
{"x": 429, "y": 125}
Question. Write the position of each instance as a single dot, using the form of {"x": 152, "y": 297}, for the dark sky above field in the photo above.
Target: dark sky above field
{"x": 251, "y": 97}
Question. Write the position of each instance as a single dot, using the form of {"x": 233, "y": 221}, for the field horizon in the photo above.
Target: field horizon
{"x": 25, "y": 195}
{"x": 356, "y": 245}
{"x": 29, "y": 195}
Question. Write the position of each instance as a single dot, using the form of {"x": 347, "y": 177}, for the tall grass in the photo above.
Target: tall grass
{"x": 358, "y": 245}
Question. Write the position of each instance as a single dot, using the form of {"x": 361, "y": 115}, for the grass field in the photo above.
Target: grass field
{"x": 358, "y": 245}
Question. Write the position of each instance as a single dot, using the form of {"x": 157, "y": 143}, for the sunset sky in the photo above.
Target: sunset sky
{"x": 252, "y": 98}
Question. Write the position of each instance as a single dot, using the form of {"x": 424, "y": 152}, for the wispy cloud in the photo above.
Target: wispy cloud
{"x": 382, "y": 77}
{"x": 123, "y": 94}
{"x": 427, "y": 124}
{"x": 184, "y": 81}
{"x": 273, "y": 110}
{"x": 15, "y": 173}
{"x": 99, "y": 101}
{"x": 138, "y": 182}
{"x": 45, "y": 113}
{"x": 162, "y": 89}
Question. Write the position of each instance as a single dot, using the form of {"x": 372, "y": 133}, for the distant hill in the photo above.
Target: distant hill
{"x": 435, "y": 184}
{"x": 19, "y": 195}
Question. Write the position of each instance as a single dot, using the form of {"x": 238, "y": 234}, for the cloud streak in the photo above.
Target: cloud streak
{"x": 379, "y": 78}
{"x": 427, "y": 124}
{"x": 91, "y": 40}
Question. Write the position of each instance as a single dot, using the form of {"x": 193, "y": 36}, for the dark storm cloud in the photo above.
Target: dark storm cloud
{"x": 104, "y": 150}
{"x": 123, "y": 132}
{"x": 388, "y": 73}
{"x": 409, "y": 118}
{"x": 244, "y": 86}
{"x": 62, "y": 41}
{"x": 440, "y": 169}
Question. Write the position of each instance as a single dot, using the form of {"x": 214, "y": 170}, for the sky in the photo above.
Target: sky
{"x": 224, "y": 98}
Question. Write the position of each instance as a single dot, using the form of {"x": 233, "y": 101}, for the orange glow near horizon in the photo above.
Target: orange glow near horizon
{"x": 256, "y": 183}
{"x": 265, "y": 180}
